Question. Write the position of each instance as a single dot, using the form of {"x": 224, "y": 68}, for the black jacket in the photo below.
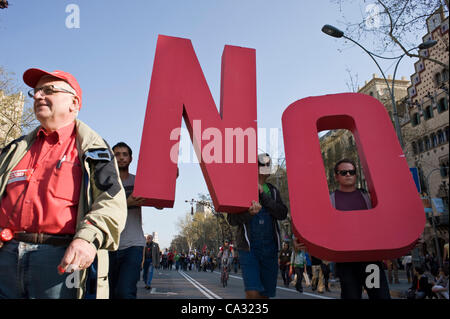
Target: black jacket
{"x": 277, "y": 210}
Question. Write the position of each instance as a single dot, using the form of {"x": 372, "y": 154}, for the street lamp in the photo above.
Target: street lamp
{"x": 336, "y": 33}
{"x": 192, "y": 201}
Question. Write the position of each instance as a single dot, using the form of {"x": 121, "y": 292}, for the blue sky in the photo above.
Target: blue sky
{"x": 112, "y": 53}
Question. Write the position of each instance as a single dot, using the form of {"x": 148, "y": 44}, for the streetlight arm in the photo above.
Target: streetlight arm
{"x": 372, "y": 57}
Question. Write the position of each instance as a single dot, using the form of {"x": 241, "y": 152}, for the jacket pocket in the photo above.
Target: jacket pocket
{"x": 65, "y": 182}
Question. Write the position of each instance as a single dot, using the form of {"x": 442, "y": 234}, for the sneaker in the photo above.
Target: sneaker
{"x": 148, "y": 287}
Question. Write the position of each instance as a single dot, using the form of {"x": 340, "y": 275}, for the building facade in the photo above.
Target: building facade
{"x": 11, "y": 109}
{"x": 425, "y": 128}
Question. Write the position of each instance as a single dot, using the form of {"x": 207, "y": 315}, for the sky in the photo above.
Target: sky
{"x": 112, "y": 49}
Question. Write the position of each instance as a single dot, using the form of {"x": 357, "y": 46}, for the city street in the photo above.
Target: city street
{"x": 206, "y": 285}
{"x": 172, "y": 284}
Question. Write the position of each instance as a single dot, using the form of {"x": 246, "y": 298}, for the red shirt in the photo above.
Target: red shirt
{"x": 44, "y": 188}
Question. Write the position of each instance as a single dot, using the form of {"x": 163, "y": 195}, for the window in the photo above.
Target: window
{"x": 415, "y": 119}
{"x": 437, "y": 78}
{"x": 441, "y": 138}
{"x": 444, "y": 76}
{"x": 442, "y": 105}
{"x": 446, "y": 134}
{"x": 427, "y": 143}
{"x": 420, "y": 143}
{"x": 428, "y": 114}
{"x": 414, "y": 147}
{"x": 443, "y": 165}
{"x": 434, "y": 140}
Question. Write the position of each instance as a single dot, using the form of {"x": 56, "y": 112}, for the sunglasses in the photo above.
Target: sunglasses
{"x": 344, "y": 172}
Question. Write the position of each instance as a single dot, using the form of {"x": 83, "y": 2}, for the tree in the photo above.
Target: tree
{"x": 16, "y": 114}
{"x": 392, "y": 25}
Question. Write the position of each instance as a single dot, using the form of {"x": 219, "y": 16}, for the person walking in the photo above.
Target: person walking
{"x": 392, "y": 266}
{"x": 317, "y": 277}
{"x": 125, "y": 264}
{"x": 62, "y": 204}
{"x": 170, "y": 259}
{"x": 352, "y": 275}
{"x": 284, "y": 260}
{"x": 151, "y": 261}
{"x": 258, "y": 236}
{"x": 298, "y": 262}
{"x": 407, "y": 263}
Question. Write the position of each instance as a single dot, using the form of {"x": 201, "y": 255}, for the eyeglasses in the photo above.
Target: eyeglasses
{"x": 344, "y": 172}
{"x": 267, "y": 164}
{"x": 48, "y": 90}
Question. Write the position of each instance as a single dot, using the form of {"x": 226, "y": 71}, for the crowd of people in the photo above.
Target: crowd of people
{"x": 195, "y": 260}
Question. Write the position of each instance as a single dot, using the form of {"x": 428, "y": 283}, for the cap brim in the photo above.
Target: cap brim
{"x": 32, "y": 76}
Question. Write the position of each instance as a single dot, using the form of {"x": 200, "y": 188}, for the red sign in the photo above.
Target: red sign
{"x": 388, "y": 230}
{"x": 225, "y": 143}
{"x": 178, "y": 88}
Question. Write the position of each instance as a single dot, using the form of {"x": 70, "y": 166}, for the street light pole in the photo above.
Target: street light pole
{"x": 335, "y": 32}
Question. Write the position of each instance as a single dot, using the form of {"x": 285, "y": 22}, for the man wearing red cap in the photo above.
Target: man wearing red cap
{"x": 62, "y": 203}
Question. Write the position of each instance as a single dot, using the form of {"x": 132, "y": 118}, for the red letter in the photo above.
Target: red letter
{"x": 388, "y": 230}
{"x": 178, "y": 88}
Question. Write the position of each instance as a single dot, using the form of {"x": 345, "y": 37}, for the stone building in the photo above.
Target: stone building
{"x": 11, "y": 109}
{"x": 425, "y": 125}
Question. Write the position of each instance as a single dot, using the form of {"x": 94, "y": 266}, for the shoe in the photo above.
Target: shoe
{"x": 327, "y": 289}
{"x": 148, "y": 287}
{"x": 300, "y": 290}
{"x": 320, "y": 291}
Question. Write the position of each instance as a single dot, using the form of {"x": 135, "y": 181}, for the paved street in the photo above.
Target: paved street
{"x": 172, "y": 284}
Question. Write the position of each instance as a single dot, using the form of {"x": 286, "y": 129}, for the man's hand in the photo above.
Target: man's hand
{"x": 135, "y": 201}
{"x": 80, "y": 254}
{"x": 255, "y": 208}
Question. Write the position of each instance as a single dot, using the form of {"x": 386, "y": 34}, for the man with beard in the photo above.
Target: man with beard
{"x": 126, "y": 263}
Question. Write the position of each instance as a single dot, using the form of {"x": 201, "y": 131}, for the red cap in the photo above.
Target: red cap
{"x": 32, "y": 76}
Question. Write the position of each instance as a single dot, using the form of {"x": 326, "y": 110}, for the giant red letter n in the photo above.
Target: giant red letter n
{"x": 178, "y": 89}
{"x": 392, "y": 226}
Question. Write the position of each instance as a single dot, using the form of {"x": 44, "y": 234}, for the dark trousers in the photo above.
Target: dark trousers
{"x": 299, "y": 273}
{"x": 326, "y": 274}
{"x": 124, "y": 272}
{"x": 352, "y": 277}
{"x": 284, "y": 269}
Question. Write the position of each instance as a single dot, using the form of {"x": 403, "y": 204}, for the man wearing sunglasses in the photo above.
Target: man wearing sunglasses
{"x": 352, "y": 275}
{"x": 62, "y": 203}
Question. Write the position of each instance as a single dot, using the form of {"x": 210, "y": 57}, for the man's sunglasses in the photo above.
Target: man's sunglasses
{"x": 344, "y": 172}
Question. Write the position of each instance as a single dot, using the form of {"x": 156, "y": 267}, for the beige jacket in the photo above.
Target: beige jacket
{"x": 102, "y": 208}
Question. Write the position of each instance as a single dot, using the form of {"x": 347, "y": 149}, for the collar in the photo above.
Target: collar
{"x": 59, "y": 135}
